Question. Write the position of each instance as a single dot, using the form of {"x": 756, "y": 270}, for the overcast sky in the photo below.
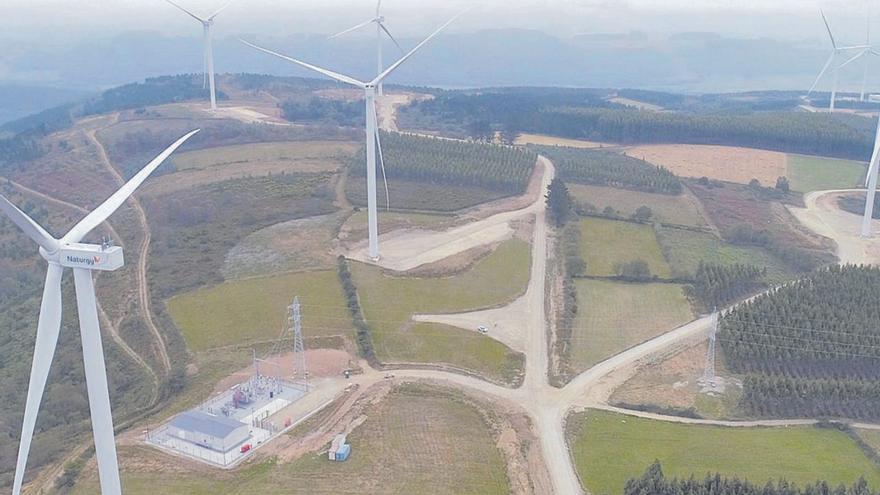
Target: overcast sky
{"x": 781, "y": 19}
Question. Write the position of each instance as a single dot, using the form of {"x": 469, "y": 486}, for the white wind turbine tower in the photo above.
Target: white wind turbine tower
{"x": 864, "y": 50}
{"x": 871, "y": 185}
{"x": 372, "y": 127}
{"x": 379, "y": 20}
{"x": 69, "y": 252}
{"x": 208, "y": 56}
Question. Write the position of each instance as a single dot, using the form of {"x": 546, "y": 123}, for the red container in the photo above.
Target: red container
{"x": 246, "y": 447}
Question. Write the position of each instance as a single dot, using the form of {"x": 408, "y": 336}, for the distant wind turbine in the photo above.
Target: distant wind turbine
{"x": 68, "y": 252}
{"x": 372, "y": 127}
{"x": 864, "y": 50}
{"x": 379, "y": 20}
{"x": 208, "y": 55}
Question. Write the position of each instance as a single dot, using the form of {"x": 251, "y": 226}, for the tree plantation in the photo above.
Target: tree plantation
{"x": 456, "y": 163}
{"x": 810, "y": 348}
{"x": 610, "y": 168}
{"x": 654, "y": 482}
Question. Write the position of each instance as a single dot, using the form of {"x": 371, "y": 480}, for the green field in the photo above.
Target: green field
{"x": 682, "y": 209}
{"x": 685, "y": 249}
{"x": 254, "y": 310}
{"x": 411, "y": 443}
{"x": 609, "y": 449}
{"x": 614, "y": 316}
{"x": 816, "y": 173}
{"x": 315, "y": 156}
{"x": 608, "y": 243}
{"x": 389, "y": 302}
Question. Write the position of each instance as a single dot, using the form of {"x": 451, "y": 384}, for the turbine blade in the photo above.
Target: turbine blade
{"x": 328, "y": 73}
{"x": 381, "y": 159}
{"x": 188, "y": 12}
{"x": 853, "y": 59}
{"x": 378, "y": 6}
{"x": 822, "y": 72}
{"x": 48, "y": 329}
{"x": 96, "y": 382}
{"x": 382, "y": 25}
{"x": 221, "y": 9}
{"x": 397, "y": 64}
{"x": 828, "y": 28}
{"x": 113, "y": 203}
{"x": 355, "y": 28}
{"x": 31, "y": 228}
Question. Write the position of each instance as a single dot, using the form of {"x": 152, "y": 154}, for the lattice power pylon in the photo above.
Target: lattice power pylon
{"x": 709, "y": 378}
{"x": 299, "y": 351}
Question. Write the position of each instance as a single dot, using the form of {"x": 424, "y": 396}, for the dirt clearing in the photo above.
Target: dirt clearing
{"x": 524, "y": 139}
{"x": 717, "y": 162}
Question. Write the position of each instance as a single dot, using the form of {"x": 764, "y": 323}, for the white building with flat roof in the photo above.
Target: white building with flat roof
{"x": 217, "y": 433}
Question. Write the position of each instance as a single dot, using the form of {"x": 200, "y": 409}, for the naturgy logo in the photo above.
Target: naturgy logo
{"x": 86, "y": 261}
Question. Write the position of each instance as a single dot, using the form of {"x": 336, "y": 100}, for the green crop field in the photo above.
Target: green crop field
{"x": 682, "y": 209}
{"x": 413, "y": 442}
{"x": 609, "y": 449}
{"x": 608, "y": 243}
{"x": 313, "y": 156}
{"x": 254, "y": 310}
{"x": 816, "y": 173}
{"x": 685, "y": 250}
{"x": 614, "y": 316}
{"x": 389, "y": 302}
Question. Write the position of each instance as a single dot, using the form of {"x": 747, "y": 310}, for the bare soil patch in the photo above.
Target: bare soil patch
{"x": 726, "y": 163}
{"x": 540, "y": 139}
{"x": 321, "y": 363}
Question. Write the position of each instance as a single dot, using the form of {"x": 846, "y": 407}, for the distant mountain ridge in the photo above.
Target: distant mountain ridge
{"x": 686, "y": 62}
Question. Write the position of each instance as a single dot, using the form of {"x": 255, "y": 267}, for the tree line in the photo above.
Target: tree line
{"x": 717, "y": 285}
{"x": 338, "y": 112}
{"x": 720, "y": 120}
{"x": 609, "y": 168}
{"x": 655, "y": 482}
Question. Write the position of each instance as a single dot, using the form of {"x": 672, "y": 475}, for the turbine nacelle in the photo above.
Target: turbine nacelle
{"x": 90, "y": 257}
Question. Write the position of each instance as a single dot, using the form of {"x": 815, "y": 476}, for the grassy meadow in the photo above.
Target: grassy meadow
{"x": 614, "y": 316}
{"x": 685, "y": 250}
{"x": 681, "y": 209}
{"x": 301, "y": 156}
{"x": 605, "y": 244}
{"x": 254, "y": 310}
{"x": 388, "y": 303}
{"x": 816, "y": 173}
{"x": 608, "y": 449}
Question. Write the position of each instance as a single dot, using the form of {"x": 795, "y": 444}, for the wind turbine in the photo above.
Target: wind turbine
{"x": 69, "y": 252}
{"x": 372, "y": 127}
{"x": 379, "y": 20}
{"x": 835, "y": 51}
{"x": 208, "y": 56}
{"x": 871, "y": 185}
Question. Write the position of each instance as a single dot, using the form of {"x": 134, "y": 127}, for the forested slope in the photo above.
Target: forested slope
{"x": 810, "y": 348}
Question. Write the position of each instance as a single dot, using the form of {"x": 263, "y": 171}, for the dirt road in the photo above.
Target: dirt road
{"x": 822, "y": 215}
{"x": 143, "y": 252}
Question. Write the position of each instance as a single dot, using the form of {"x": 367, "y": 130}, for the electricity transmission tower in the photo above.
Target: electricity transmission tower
{"x": 709, "y": 379}
{"x": 299, "y": 351}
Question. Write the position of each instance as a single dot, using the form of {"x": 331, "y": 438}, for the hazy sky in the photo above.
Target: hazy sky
{"x": 783, "y": 19}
